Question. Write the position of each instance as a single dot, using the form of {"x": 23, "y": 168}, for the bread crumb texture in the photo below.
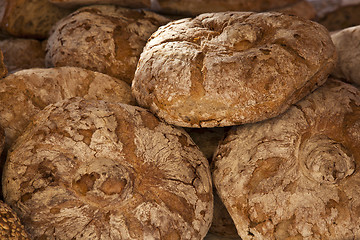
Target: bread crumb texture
{"x": 296, "y": 176}
{"x": 87, "y": 169}
{"x": 26, "y": 92}
{"x": 10, "y": 225}
{"x": 104, "y": 38}
{"x": 223, "y": 69}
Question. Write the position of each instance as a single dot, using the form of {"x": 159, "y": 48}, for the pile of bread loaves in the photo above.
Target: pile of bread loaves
{"x": 179, "y": 120}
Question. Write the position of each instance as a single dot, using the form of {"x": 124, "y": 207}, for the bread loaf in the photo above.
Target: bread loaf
{"x": 10, "y": 226}
{"x": 90, "y": 169}
{"x": 122, "y": 3}
{"x": 104, "y": 38}
{"x": 22, "y": 53}
{"x": 31, "y": 19}
{"x": 196, "y": 7}
{"x": 223, "y": 69}
{"x": 347, "y": 42}
{"x": 26, "y": 92}
{"x": 296, "y": 176}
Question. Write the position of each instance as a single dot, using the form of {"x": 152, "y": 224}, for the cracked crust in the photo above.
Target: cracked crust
{"x": 105, "y": 38}
{"x": 347, "y": 43}
{"x": 296, "y": 176}
{"x": 223, "y": 69}
{"x": 26, "y": 92}
{"x": 10, "y": 226}
{"x": 112, "y": 170}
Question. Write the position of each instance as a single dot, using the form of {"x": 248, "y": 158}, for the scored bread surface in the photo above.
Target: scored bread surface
{"x": 222, "y": 69}
{"x": 96, "y": 170}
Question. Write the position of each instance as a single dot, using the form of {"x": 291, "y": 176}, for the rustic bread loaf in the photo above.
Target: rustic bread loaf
{"x": 22, "y": 53}
{"x": 296, "y": 176}
{"x": 222, "y": 69}
{"x": 196, "y": 7}
{"x": 90, "y": 169}
{"x": 347, "y": 42}
{"x": 10, "y": 226}
{"x": 34, "y": 19}
{"x": 26, "y": 92}
{"x": 102, "y": 38}
{"x": 122, "y": 3}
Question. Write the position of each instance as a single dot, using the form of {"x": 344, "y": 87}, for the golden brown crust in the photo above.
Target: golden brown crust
{"x": 222, "y": 69}
{"x": 196, "y": 7}
{"x": 23, "y": 18}
{"x": 21, "y": 53}
{"x": 122, "y": 3}
{"x": 112, "y": 170}
{"x": 106, "y": 39}
{"x": 296, "y": 176}
{"x": 10, "y": 226}
{"x": 26, "y": 92}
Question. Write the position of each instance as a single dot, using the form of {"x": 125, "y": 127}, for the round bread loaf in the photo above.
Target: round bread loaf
{"x": 23, "y": 53}
{"x": 26, "y": 92}
{"x": 102, "y": 38}
{"x": 29, "y": 19}
{"x": 10, "y": 226}
{"x": 296, "y": 176}
{"x": 90, "y": 169}
{"x": 196, "y": 7}
{"x": 347, "y": 42}
{"x": 222, "y": 69}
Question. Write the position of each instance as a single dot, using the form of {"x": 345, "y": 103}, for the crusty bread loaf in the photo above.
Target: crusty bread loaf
{"x": 347, "y": 45}
{"x": 10, "y": 226}
{"x": 22, "y": 53}
{"x": 34, "y": 19}
{"x": 104, "y": 38}
{"x": 122, "y": 3}
{"x": 222, "y": 69}
{"x": 196, "y": 7}
{"x": 26, "y": 92}
{"x": 90, "y": 169}
{"x": 296, "y": 176}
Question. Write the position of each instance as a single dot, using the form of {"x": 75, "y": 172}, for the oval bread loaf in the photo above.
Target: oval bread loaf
{"x": 90, "y": 169}
{"x": 103, "y": 38}
{"x": 196, "y": 7}
{"x": 26, "y": 92}
{"x": 223, "y": 69}
{"x": 29, "y": 19}
{"x": 296, "y": 176}
{"x": 122, "y": 3}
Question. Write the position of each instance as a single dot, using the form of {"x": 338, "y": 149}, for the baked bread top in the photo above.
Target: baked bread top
{"x": 222, "y": 69}
{"x": 296, "y": 175}
{"x": 90, "y": 169}
{"x": 26, "y": 92}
